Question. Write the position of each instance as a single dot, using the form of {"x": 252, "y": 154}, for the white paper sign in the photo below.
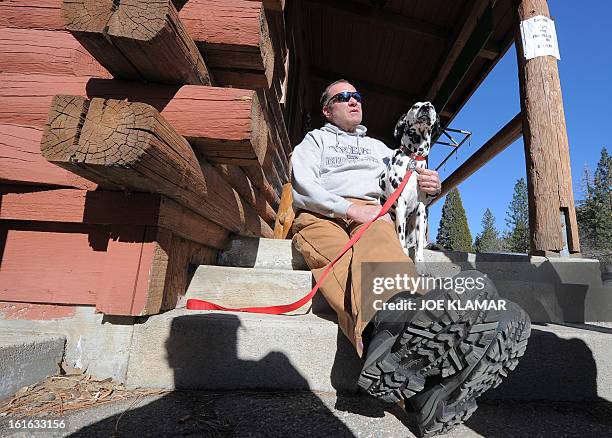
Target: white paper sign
{"x": 539, "y": 37}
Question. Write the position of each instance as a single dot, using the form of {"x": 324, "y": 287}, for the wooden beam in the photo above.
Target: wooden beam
{"x": 199, "y": 114}
{"x": 500, "y": 141}
{"x": 246, "y": 79}
{"x": 233, "y": 37}
{"x": 31, "y": 14}
{"x": 137, "y": 39}
{"x": 259, "y": 179}
{"x": 278, "y": 131}
{"x": 112, "y": 208}
{"x": 490, "y": 51}
{"x": 552, "y": 216}
{"x": 278, "y": 36}
{"x": 273, "y": 171}
{"x": 226, "y": 124}
{"x": 51, "y": 52}
{"x": 456, "y": 44}
{"x": 21, "y": 162}
{"x": 237, "y": 179}
{"x": 86, "y": 20}
{"x": 384, "y": 18}
{"x": 442, "y": 91}
{"x": 130, "y": 146}
{"x": 230, "y": 35}
{"x": 279, "y": 123}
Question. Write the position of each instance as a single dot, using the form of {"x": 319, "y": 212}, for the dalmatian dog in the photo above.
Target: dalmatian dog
{"x": 414, "y": 129}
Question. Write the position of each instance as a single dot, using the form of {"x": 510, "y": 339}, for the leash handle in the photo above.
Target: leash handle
{"x": 196, "y": 304}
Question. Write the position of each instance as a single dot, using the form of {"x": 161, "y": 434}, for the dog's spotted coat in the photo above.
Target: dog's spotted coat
{"x": 415, "y": 128}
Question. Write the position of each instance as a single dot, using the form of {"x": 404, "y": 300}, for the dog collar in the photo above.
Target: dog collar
{"x": 417, "y": 157}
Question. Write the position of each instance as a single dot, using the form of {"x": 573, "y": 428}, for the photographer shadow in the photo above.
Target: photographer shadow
{"x": 205, "y": 360}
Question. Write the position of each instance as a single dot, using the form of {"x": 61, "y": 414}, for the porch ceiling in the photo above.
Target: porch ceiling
{"x": 398, "y": 52}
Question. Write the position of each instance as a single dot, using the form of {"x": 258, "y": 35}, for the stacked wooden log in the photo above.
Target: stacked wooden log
{"x": 135, "y": 136}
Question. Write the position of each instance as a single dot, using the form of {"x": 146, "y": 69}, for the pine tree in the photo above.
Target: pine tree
{"x": 602, "y": 196}
{"x": 594, "y": 213}
{"x": 454, "y": 232}
{"x": 516, "y": 238}
{"x": 488, "y": 240}
{"x": 585, "y": 215}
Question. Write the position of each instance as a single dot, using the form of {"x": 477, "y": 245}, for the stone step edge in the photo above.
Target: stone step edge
{"x": 28, "y": 357}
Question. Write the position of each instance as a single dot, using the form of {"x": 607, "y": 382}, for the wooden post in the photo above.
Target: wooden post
{"x": 286, "y": 215}
{"x": 549, "y": 179}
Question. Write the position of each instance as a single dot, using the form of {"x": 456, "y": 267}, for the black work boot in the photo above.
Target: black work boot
{"x": 407, "y": 347}
{"x": 452, "y": 400}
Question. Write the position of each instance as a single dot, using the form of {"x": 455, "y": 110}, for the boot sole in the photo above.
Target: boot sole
{"x": 442, "y": 341}
{"x": 446, "y": 406}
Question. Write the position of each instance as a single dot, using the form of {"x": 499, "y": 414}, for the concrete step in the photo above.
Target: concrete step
{"x": 27, "y": 358}
{"x": 246, "y": 287}
{"x": 207, "y": 350}
{"x": 252, "y": 252}
{"x": 236, "y": 351}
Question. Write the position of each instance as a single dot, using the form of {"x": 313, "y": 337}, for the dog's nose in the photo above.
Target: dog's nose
{"x": 424, "y": 114}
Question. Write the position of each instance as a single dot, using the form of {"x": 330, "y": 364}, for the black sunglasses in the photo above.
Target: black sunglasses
{"x": 345, "y": 96}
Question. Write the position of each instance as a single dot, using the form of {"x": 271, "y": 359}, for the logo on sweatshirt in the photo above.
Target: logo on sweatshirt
{"x": 351, "y": 154}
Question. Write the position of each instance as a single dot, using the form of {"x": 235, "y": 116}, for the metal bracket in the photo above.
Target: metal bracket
{"x": 452, "y": 142}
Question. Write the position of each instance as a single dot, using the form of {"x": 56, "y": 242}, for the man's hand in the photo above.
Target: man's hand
{"x": 428, "y": 180}
{"x": 365, "y": 213}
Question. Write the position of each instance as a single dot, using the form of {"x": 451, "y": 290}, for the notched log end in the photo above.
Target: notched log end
{"x": 86, "y": 15}
{"x": 117, "y": 133}
{"x": 259, "y": 127}
{"x": 63, "y": 129}
{"x": 141, "y": 21}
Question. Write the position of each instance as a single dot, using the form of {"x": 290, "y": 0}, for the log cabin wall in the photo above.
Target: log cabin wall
{"x": 133, "y": 145}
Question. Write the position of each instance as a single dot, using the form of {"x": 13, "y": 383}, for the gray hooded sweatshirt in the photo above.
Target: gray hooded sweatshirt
{"x": 331, "y": 164}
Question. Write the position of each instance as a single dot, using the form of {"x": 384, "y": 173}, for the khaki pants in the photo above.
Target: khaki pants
{"x": 320, "y": 239}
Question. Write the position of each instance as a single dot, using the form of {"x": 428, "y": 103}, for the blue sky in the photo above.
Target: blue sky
{"x": 585, "y": 70}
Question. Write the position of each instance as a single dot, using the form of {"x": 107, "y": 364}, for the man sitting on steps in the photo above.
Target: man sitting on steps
{"x": 440, "y": 360}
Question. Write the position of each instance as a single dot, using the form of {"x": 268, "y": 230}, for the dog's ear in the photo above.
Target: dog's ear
{"x": 436, "y": 130}
{"x": 400, "y": 125}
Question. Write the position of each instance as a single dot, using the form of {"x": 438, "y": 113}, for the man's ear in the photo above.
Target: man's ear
{"x": 326, "y": 112}
{"x": 400, "y": 125}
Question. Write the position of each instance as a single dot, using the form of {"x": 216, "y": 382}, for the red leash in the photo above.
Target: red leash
{"x": 195, "y": 304}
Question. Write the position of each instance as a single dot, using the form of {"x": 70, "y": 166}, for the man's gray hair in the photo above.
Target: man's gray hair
{"x": 324, "y": 96}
